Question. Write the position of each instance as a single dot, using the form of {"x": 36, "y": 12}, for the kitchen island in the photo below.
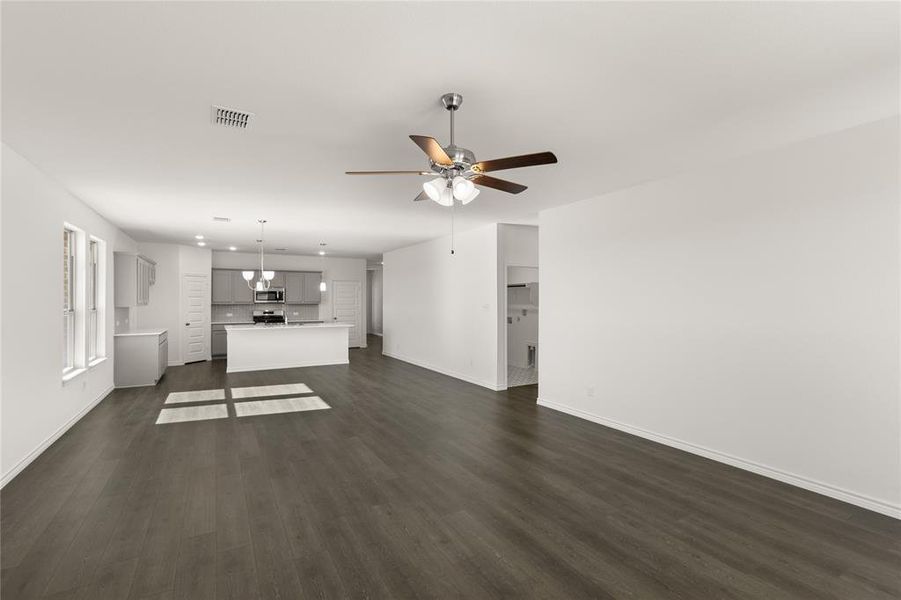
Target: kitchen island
{"x": 262, "y": 347}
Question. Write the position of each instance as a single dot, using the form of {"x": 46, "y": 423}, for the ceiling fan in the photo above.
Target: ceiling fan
{"x": 455, "y": 169}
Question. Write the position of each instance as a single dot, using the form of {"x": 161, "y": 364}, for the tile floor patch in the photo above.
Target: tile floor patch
{"x": 281, "y": 405}
{"x": 192, "y": 413}
{"x": 270, "y": 390}
{"x": 195, "y": 396}
{"x": 518, "y": 376}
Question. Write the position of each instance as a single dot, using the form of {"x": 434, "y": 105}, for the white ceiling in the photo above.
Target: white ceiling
{"x": 113, "y": 100}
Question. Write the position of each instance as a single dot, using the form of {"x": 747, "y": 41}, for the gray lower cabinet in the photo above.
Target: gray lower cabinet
{"x": 141, "y": 357}
{"x": 219, "y": 343}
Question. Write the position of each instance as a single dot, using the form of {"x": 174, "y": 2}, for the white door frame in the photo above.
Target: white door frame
{"x": 182, "y": 306}
{"x": 503, "y": 347}
{"x": 360, "y": 308}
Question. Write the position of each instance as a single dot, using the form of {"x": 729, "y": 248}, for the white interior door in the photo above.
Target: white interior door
{"x": 346, "y": 308}
{"x": 195, "y": 301}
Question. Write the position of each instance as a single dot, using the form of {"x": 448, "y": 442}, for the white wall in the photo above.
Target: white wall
{"x": 164, "y": 309}
{"x": 36, "y": 406}
{"x": 748, "y": 312}
{"x": 519, "y": 244}
{"x": 441, "y": 310}
{"x": 333, "y": 268}
{"x": 374, "y": 278}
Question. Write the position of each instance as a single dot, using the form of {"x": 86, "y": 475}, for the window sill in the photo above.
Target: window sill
{"x": 73, "y": 374}
{"x": 96, "y": 362}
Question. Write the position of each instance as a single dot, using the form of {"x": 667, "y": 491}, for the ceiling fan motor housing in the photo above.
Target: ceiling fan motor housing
{"x": 463, "y": 161}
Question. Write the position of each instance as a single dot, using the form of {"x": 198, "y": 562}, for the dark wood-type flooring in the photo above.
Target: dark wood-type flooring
{"x": 414, "y": 485}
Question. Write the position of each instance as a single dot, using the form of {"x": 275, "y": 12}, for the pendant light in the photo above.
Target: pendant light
{"x": 322, "y": 286}
{"x": 266, "y": 277}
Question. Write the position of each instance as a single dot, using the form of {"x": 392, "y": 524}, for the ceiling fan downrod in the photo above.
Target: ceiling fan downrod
{"x": 452, "y": 102}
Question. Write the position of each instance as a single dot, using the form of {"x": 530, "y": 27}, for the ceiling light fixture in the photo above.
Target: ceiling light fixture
{"x": 434, "y": 188}
{"x": 322, "y": 286}
{"x": 470, "y": 198}
{"x": 201, "y": 243}
{"x": 266, "y": 277}
{"x": 198, "y": 237}
{"x": 232, "y": 248}
{"x": 462, "y": 187}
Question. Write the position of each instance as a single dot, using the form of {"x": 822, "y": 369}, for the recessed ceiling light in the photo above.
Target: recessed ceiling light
{"x": 232, "y": 248}
{"x": 201, "y": 243}
{"x": 198, "y": 237}
{"x": 322, "y": 253}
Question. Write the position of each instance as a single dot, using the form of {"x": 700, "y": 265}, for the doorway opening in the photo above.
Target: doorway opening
{"x": 522, "y": 326}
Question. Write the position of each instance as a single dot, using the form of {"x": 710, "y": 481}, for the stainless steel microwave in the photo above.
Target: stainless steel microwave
{"x": 270, "y": 296}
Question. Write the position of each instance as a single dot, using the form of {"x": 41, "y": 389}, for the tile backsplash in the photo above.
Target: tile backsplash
{"x": 244, "y": 312}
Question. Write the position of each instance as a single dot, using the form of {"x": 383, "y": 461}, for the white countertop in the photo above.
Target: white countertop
{"x": 252, "y": 323}
{"x": 285, "y": 326}
{"x": 141, "y": 332}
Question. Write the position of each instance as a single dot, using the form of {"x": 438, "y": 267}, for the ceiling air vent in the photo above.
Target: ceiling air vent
{"x": 222, "y": 219}
{"x": 230, "y": 117}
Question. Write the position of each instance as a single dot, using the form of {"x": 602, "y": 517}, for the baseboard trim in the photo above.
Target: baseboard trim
{"x": 493, "y": 387}
{"x": 20, "y": 466}
{"x": 879, "y": 506}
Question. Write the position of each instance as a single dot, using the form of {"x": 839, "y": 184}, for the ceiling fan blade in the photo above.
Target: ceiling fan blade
{"x": 515, "y": 162}
{"x": 431, "y": 147}
{"x": 420, "y": 197}
{"x": 498, "y": 184}
{"x": 388, "y": 173}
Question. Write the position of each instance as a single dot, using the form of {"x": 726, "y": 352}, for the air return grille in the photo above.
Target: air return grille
{"x": 230, "y": 117}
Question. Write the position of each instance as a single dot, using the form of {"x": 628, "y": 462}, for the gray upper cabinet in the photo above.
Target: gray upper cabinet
{"x": 311, "y": 293}
{"x": 241, "y": 293}
{"x": 294, "y": 288}
{"x": 222, "y": 286}
{"x": 134, "y": 274}
{"x": 229, "y": 287}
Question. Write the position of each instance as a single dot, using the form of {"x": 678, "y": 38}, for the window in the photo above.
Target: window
{"x": 95, "y": 300}
{"x": 69, "y": 302}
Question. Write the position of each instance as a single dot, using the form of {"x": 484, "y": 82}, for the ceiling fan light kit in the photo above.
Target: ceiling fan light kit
{"x": 457, "y": 169}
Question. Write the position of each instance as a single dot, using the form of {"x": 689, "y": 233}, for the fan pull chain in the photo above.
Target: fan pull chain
{"x": 453, "y": 212}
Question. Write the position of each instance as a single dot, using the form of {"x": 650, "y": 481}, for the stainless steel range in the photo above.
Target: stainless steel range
{"x": 270, "y": 316}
